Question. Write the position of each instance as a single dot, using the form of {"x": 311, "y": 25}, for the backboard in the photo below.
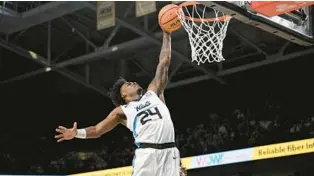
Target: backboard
{"x": 295, "y": 26}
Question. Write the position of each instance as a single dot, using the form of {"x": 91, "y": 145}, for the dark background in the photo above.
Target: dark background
{"x": 267, "y": 96}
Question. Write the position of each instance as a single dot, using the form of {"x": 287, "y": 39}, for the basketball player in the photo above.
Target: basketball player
{"x": 147, "y": 116}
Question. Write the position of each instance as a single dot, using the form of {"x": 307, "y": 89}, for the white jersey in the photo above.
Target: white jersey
{"x": 149, "y": 119}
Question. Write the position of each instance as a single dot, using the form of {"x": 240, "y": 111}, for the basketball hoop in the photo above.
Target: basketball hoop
{"x": 206, "y": 34}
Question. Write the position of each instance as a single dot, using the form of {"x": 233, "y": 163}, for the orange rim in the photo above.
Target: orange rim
{"x": 191, "y": 3}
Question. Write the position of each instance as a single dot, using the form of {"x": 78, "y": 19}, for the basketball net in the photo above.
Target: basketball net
{"x": 206, "y": 35}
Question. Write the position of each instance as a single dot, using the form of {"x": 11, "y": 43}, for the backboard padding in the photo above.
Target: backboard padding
{"x": 300, "y": 34}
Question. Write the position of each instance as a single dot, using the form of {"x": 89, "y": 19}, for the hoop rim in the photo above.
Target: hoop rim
{"x": 192, "y": 3}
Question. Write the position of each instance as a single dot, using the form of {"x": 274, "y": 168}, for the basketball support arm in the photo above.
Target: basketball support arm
{"x": 278, "y": 57}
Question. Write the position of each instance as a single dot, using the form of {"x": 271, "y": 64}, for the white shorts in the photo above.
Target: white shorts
{"x": 156, "y": 162}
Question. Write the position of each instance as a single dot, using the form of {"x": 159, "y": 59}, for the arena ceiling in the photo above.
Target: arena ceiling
{"x": 65, "y": 40}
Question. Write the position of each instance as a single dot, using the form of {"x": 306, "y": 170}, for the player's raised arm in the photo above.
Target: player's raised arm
{"x": 160, "y": 80}
{"x": 113, "y": 119}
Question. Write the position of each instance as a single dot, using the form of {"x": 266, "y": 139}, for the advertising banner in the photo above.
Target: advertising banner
{"x": 283, "y": 149}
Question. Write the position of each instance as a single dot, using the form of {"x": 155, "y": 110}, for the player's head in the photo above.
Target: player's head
{"x": 124, "y": 92}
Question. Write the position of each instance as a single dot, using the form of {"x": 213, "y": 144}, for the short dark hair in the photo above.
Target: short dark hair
{"x": 115, "y": 93}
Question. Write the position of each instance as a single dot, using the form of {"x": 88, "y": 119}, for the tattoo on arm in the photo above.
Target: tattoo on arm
{"x": 159, "y": 83}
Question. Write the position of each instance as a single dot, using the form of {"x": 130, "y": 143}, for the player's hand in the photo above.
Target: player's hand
{"x": 166, "y": 33}
{"x": 65, "y": 133}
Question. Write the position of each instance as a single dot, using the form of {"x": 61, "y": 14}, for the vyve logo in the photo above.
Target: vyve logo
{"x": 142, "y": 106}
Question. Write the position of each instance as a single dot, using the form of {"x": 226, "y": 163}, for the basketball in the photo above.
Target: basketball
{"x": 168, "y": 18}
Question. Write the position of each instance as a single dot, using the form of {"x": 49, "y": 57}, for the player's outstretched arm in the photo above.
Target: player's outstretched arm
{"x": 159, "y": 83}
{"x": 113, "y": 119}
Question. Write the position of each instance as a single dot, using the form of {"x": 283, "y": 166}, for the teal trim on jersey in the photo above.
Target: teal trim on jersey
{"x": 137, "y": 144}
{"x": 134, "y": 131}
{"x": 134, "y": 127}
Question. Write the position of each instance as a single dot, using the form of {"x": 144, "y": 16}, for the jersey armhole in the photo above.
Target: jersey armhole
{"x": 123, "y": 107}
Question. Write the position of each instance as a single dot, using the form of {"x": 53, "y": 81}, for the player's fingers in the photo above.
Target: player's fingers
{"x": 59, "y": 130}
{"x": 59, "y": 136}
{"x": 60, "y": 140}
{"x": 75, "y": 125}
{"x": 62, "y": 127}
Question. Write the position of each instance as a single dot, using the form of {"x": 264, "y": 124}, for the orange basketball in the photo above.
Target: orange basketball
{"x": 168, "y": 18}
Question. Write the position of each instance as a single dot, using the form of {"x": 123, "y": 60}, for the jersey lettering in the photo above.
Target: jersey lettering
{"x": 142, "y": 106}
{"x": 146, "y": 116}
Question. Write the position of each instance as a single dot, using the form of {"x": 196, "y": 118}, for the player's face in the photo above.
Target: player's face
{"x": 130, "y": 90}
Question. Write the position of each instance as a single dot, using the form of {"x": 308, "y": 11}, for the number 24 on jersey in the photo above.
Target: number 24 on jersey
{"x": 148, "y": 115}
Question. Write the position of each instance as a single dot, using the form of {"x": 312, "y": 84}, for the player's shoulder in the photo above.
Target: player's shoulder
{"x": 118, "y": 112}
{"x": 129, "y": 105}
{"x": 124, "y": 106}
{"x": 149, "y": 93}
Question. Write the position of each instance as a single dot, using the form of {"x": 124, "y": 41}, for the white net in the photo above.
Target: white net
{"x": 206, "y": 35}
